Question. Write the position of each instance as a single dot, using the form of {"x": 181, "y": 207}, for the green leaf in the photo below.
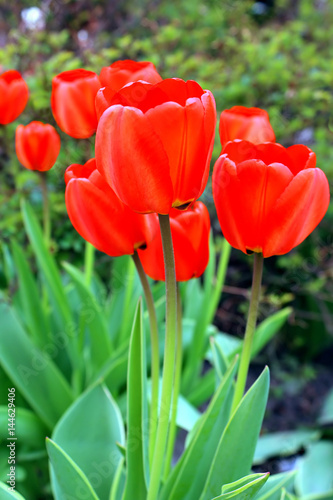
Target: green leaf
{"x": 5, "y": 494}
{"x": 187, "y": 479}
{"x": 45, "y": 260}
{"x": 32, "y": 371}
{"x": 30, "y": 298}
{"x": 282, "y": 444}
{"x": 243, "y": 489}
{"x": 118, "y": 484}
{"x": 268, "y": 328}
{"x": 100, "y": 341}
{"x": 219, "y": 359}
{"x": 137, "y": 433}
{"x": 235, "y": 451}
{"x": 315, "y": 470}
{"x": 326, "y": 414}
{"x": 272, "y": 489}
{"x": 72, "y": 483}
{"x": 30, "y": 431}
{"x": 88, "y": 433}
{"x": 187, "y": 414}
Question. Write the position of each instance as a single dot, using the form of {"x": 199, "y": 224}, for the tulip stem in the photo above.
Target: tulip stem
{"x": 249, "y": 331}
{"x": 46, "y": 209}
{"x": 169, "y": 358}
{"x": 176, "y": 389}
{"x": 89, "y": 261}
{"x": 155, "y": 359}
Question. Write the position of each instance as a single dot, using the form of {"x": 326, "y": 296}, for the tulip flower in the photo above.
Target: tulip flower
{"x": 37, "y": 146}
{"x": 14, "y": 95}
{"x": 122, "y": 72}
{"x": 268, "y": 198}
{"x": 190, "y": 235}
{"x": 99, "y": 216}
{"x": 73, "y": 102}
{"x": 154, "y": 144}
{"x": 249, "y": 124}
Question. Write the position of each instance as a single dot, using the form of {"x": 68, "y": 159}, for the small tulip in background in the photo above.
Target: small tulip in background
{"x": 14, "y": 95}
{"x": 249, "y": 124}
{"x": 73, "y": 102}
{"x": 37, "y": 146}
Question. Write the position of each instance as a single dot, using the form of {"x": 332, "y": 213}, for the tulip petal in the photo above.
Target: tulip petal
{"x": 140, "y": 176}
{"x": 297, "y": 212}
{"x": 302, "y": 157}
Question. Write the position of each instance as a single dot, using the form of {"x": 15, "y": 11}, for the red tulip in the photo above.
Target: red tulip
{"x": 268, "y": 198}
{"x": 190, "y": 234}
{"x": 154, "y": 144}
{"x": 122, "y": 72}
{"x": 249, "y": 124}
{"x": 73, "y": 102}
{"x": 37, "y": 146}
{"x": 14, "y": 95}
{"x": 99, "y": 216}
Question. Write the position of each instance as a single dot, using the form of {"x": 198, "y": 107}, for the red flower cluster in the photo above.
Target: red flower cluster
{"x": 153, "y": 148}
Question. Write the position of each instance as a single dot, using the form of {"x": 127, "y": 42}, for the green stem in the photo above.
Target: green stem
{"x": 89, "y": 261}
{"x": 126, "y": 320}
{"x": 46, "y": 210}
{"x": 155, "y": 361}
{"x": 176, "y": 390}
{"x": 249, "y": 331}
{"x": 169, "y": 358}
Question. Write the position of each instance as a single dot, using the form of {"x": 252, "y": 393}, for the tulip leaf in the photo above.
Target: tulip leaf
{"x": 32, "y": 371}
{"x": 71, "y": 482}
{"x": 100, "y": 341}
{"x": 272, "y": 489}
{"x": 282, "y": 444}
{"x": 219, "y": 359}
{"x": 326, "y": 414}
{"x": 30, "y": 430}
{"x": 88, "y": 432}
{"x": 188, "y": 478}
{"x": 118, "y": 484}
{"x": 243, "y": 489}
{"x": 315, "y": 470}
{"x": 30, "y": 298}
{"x": 7, "y": 494}
{"x": 62, "y": 313}
{"x": 235, "y": 450}
{"x": 268, "y": 328}
{"x": 136, "y": 451}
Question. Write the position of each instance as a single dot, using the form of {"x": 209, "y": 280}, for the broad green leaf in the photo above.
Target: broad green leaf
{"x": 30, "y": 431}
{"x": 187, "y": 414}
{"x": 45, "y": 261}
{"x": 32, "y": 371}
{"x": 88, "y": 433}
{"x": 273, "y": 488}
{"x": 30, "y": 299}
{"x": 187, "y": 479}
{"x": 72, "y": 483}
{"x": 204, "y": 389}
{"x": 282, "y": 444}
{"x": 6, "y": 494}
{"x": 99, "y": 339}
{"x": 326, "y": 414}
{"x": 235, "y": 451}
{"x": 315, "y": 470}
{"x": 137, "y": 433}
{"x": 114, "y": 371}
{"x": 268, "y": 328}
{"x": 243, "y": 489}
{"x": 219, "y": 359}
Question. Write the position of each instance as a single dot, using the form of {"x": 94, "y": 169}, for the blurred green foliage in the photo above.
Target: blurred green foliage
{"x": 282, "y": 63}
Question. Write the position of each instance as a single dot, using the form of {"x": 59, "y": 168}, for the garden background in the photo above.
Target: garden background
{"x": 274, "y": 55}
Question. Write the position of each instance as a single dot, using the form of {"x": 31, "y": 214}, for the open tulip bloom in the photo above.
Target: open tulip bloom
{"x": 154, "y": 144}
{"x": 268, "y": 198}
